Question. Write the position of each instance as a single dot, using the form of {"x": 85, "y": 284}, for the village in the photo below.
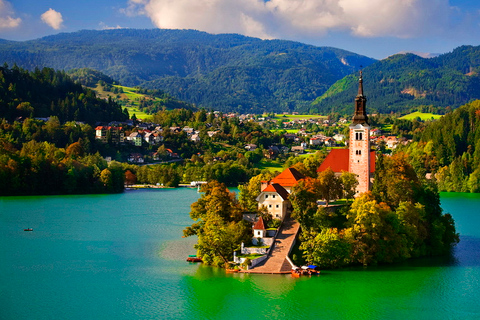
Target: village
{"x": 298, "y": 139}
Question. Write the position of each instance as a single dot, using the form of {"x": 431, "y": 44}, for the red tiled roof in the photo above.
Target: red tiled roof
{"x": 288, "y": 178}
{"x": 338, "y": 160}
{"x": 275, "y": 187}
{"x": 259, "y": 225}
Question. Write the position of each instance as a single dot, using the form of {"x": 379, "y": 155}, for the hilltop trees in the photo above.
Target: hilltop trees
{"x": 46, "y": 92}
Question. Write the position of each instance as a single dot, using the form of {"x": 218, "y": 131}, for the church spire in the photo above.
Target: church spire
{"x": 360, "y": 115}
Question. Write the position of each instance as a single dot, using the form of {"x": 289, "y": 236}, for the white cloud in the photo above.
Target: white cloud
{"x": 6, "y": 19}
{"x": 52, "y": 18}
{"x": 274, "y": 18}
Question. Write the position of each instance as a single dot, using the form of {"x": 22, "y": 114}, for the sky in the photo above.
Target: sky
{"x": 375, "y": 28}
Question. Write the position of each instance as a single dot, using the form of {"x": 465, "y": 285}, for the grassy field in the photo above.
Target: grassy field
{"x": 128, "y": 93}
{"x": 133, "y": 97}
{"x": 423, "y": 116}
{"x": 288, "y": 130}
{"x": 269, "y": 165}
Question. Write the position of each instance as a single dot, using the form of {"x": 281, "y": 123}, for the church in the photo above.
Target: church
{"x": 358, "y": 158}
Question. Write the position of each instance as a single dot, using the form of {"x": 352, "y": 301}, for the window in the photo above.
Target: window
{"x": 358, "y": 136}
{"x": 276, "y": 206}
{"x": 269, "y": 205}
{"x": 358, "y": 152}
{"x": 273, "y": 196}
{"x": 266, "y": 196}
{"x": 258, "y": 233}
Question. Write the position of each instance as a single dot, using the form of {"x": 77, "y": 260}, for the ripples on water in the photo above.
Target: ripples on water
{"x": 122, "y": 257}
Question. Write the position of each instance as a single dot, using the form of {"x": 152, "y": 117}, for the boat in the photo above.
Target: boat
{"x": 305, "y": 271}
{"x": 232, "y": 270}
{"x": 28, "y": 229}
{"x": 194, "y": 258}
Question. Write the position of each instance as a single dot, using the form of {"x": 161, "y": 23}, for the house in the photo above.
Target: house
{"x": 290, "y": 136}
{"x": 251, "y": 147}
{"x": 298, "y": 149}
{"x": 195, "y": 137}
{"x": 211, "y": 133}
{"x": 314, "y": 141}
{"x": 330, "y": 142}
{"x": 135, "y": 138}
{"x": 135, "y": 158}
{"x": 115, "y": 134}
{"x": 149, "y": 137}
{"x": 391, "y": 142}
{"x": 287, "y": 179}
{"x": 339, "y": 137}
{"x": 272, "y": 152}
{"x": 275, "y": 199}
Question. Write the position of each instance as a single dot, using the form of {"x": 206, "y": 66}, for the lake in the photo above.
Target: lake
{"x": 122, "y": 257}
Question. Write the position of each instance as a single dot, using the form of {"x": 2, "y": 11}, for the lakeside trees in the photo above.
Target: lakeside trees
{"x": 219, "y": 224}
{"x": 42, "y": 168}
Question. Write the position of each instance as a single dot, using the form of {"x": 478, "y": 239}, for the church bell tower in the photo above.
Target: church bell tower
{"x": 359, "y": 143}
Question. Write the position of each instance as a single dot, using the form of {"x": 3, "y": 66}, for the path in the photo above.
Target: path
{"x": 276, "y": 261}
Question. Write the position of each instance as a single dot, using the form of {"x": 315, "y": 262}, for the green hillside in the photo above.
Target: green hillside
{"x": 408, "y": 82}
{"x": 226, "y": 72}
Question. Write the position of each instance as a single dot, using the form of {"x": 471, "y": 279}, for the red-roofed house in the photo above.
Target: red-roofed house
{"x": 275, "y": 199}
{"x": 287, "y": 179}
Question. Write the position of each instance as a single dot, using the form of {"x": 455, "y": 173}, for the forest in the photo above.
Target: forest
{"x": 42, "y": 93}
{"x": 449, "y": 149}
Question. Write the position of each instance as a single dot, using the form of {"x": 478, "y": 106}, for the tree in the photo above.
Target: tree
{"x": 130, "y": 178}
{"x": 349, "y": 184}
{"x": 251, "y": 190}
{"x": 106, "y": 180}
{"x": 219, "y": 224}
{"x": 329, "y": 185}
{"x": 327, "y": 249}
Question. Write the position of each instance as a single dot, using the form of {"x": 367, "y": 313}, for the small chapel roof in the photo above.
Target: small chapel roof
{"x": 259, "y": 225}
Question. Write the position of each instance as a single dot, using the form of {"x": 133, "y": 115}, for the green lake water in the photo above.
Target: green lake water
{"x": 122, "y": 257}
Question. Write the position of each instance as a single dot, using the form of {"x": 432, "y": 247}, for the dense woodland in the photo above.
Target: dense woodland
{"x": 406, "y": 81}
{"x": 226, "y": 72}
{"x": 46, "y": 92}
{"x": 450, "y": 149}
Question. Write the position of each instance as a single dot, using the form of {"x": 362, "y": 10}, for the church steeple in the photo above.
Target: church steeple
{"x": 360, "y": 115}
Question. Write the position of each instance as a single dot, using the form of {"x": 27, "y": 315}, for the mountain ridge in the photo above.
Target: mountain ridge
{"x": 269, "y": 75}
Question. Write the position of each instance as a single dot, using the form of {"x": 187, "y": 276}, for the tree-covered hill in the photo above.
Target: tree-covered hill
{"x": 401, "y": 82}
{"x": 227, "y": 72}
{"x": 450, "y": 149}
{"x": 145, "y": 100}
{"x": 46, "y": 92}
